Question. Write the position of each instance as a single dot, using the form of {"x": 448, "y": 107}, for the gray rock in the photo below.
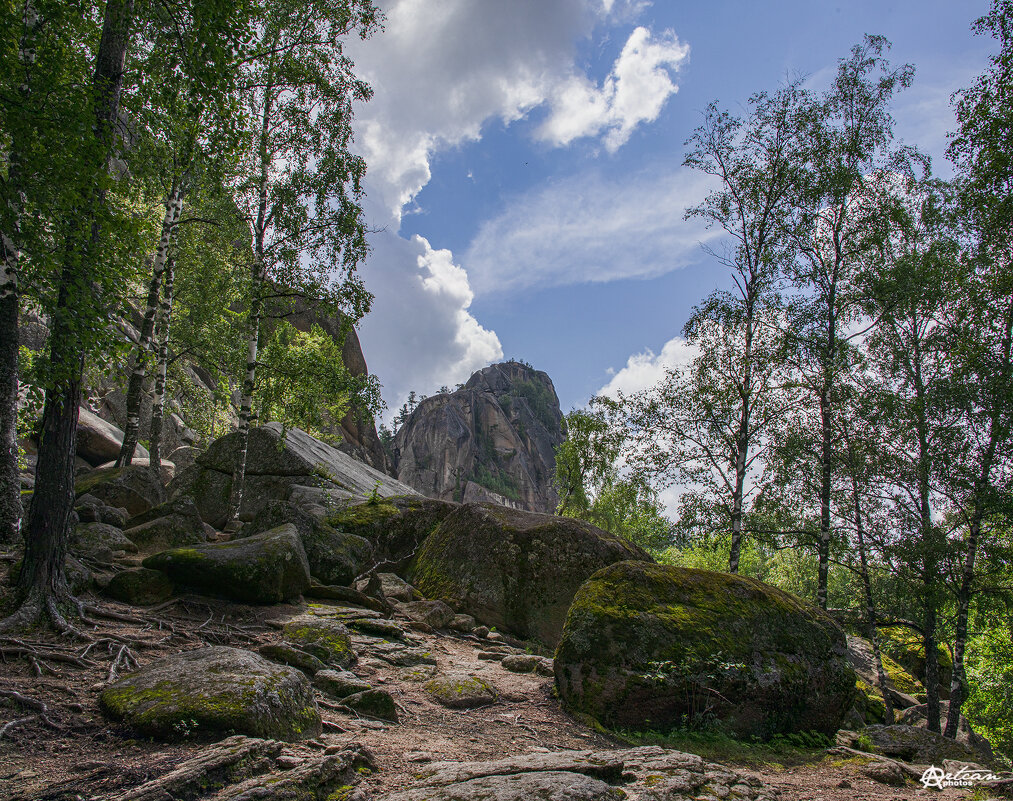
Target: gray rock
{"x": 653, "y": 645}
{"x": 268, "y": 568}
{"x": 166, "y": 469}
{"x": 133, "y": 488}
{"x": 528, "y": 663}
{"x": 99, "y": 540}
{"x": 326, "y": 639}
{"x": 503, "y": 426}
{"x": 91, "y": 510}
{"x": 548, "y": 786}
{"x": 401, "y": 655}
{"x": 918, "y": 716}
{"x": 184, "y": 456}
{"x": 275, "y": 465}
{"x": 211, "y": 691}
{"x": 395, "y": 588}
{"x": 433, "y": 613}
{"x": 140, "y": 586}
{"x": 377, "y": 704}
{"x": 181, "y": 526}
{"x": 99, "y": 441}
{"x": 462, "y": 623}
{"x": 335, "y": 557}
{"x": 340, "y": 683}
{"x": 461, "y": 690}
{"x": 885, "y": 773}
{"x": 381, "y": 628}
{"x": 514, "y": 570}
{"x": 914, "y": 744}
{"x": 290, "y": 655}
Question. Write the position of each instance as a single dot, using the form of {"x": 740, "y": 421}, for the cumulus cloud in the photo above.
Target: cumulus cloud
{"x": 633, "y": 93}
{"x": 440, "y": 72}
{"x": 644, "y": 370}
{"x": 589, "y": 229}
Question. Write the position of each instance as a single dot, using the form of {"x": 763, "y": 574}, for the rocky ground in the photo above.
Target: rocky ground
{"x": 505, "y": 737}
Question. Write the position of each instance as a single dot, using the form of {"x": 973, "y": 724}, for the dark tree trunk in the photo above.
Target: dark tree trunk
{"x": 42, "y": 584}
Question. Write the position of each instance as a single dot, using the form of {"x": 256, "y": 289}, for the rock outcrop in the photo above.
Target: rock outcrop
{"x": 514, "y": 570}
{"x": 493, "y": 440}
{"x": 652, "y": 646}
{"x": 280, "y": 464}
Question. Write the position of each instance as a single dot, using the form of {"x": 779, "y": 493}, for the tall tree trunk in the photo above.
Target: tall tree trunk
{"x": 870, "y": 604}
{"x": 11, "y": 511}
{"x": 158, "y": 403}
{"x": 135, "y": 387}
{"x": 41, "y": 582}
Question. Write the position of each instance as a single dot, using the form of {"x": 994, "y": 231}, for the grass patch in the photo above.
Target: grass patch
{"x": 783, "y": 751}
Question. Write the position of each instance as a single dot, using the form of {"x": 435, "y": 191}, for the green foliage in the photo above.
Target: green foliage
{"x": 989, "y": 706}
{"x": 540, "y": 398}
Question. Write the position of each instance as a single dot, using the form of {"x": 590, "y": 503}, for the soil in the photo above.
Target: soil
{"x": 72, "y": 752}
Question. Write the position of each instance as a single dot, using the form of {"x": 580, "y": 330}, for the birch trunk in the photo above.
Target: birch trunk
{"x": 158, "y": 402}
{"x": 135, "y": 387}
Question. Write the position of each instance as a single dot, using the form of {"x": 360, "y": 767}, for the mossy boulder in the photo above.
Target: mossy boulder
{"x": 653, "y": 647}
{"x": 212, "y": 692}
{"x": 140, "y": 586}
{"x": 169, "y": 525}
{"x": 324, "y": 638}
{"x": 396, "y": 526}
{"x": 906, "y": 647}
{"x": 918, "y": 745}
{"x": 133, "y": 488}
{"x": 435, "y": 614}
{"x": 268, "y": 568}
{"x": 340, "y": 683}
{"x": 290, "y": 655}
{"x": 461, "y": 690}
{"x": 335, "y": 557}
{"x": 905, "y": 689}
{"x": 514, "y": 570}
{"x": 99, "y": 540}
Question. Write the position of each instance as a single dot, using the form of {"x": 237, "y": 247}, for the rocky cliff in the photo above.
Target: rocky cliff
{"x": 492, "y": 440}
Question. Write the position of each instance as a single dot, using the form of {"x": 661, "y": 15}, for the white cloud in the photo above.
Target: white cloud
{"x": 440, "y": 72}
{"x": 589, "y": 229}
{"x": 633, "y": 93}
{"x": 644, "y": 370}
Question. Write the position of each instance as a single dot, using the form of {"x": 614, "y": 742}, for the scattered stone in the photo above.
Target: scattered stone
{"x": 418, "y": 673}
{"x": 211, "y": 691}
{"x": 528, "y": 663}
{"x": 512, "y": 569}
{"x": 481, "y": 632}
{"x": 372, "y": 704}
{"x": 290, "y": 655}
{"x": 268, "y": 568}
{"x": 395, "y": 588}
{"x": 140, "y": 586}
{"x": 402, "y": 655}
{"x": 169, "y": 525}
{"x": 461, "y": 690}
{"x": 91, "y": 510}
{"x": 884, "y": 773}
{"x": 346, "y": 595}
{"x": 639, "y": 636}
{"x": 324, "y": 638}
{"x": 340, "y": 683}
{"x": 288, "y": 761}
{"x": 462, "y": 623}
{"x": 435, "y": 614}
{"x": 495, "y": 636}
{"x": 491, "y": 656}
{"x": 418, "y": 757}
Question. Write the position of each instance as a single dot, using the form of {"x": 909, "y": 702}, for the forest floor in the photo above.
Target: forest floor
{"x": 70, "y": 751}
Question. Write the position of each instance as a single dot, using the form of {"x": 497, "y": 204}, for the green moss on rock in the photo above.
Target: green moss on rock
{"x": 651, "y": 647}
{"x": 213, "y": 692}
{"x": 325, "y": 639}
{"x": 140, "y": 586}
{"x": 512, "y": 569}
{"x": 461, "y": 690}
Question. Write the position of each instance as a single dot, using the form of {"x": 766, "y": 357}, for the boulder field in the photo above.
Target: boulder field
{"x": 659, "y": 647}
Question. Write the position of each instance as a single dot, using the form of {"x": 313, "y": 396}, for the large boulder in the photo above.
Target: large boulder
{"x": 396, "y": 526}
{"x": 99, "y": 441}
{"x": 514, "y": 570}
{"x": 278, "y": 460}
{"x": 99, "y": 540}
{"x": 335, "y": 557}
{"x": 132, "y": 488}
{"x": 919, "y": 716}
{"x": 906, "y": 647}
{"x": 267, "y": 568}
{"x": 169, "y": 525}
{"x": 905, "y": 689}
{"x": 653, "y": 646}
{"x": 140, "y": 586}
{"x": 918, "y": 745}
{"x": 211, "y": 692}
{"x": 493, "y": 440}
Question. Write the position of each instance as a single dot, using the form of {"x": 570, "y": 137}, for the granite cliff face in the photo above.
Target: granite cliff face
{"x": 493, "y": 440}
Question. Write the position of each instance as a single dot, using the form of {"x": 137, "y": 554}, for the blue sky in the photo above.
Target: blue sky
{"x": 525, "y": 179}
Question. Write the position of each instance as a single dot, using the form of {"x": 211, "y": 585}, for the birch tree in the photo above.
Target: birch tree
{"x": 302, "y": 187}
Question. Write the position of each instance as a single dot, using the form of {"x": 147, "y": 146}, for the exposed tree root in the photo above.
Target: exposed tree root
{"x": 43, "y": 608}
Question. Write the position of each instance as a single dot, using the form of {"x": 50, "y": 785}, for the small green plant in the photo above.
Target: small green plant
{"x": 374, "y": 496}
{"x": 185, "y": 728}
{"x": 864, "y": 743}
